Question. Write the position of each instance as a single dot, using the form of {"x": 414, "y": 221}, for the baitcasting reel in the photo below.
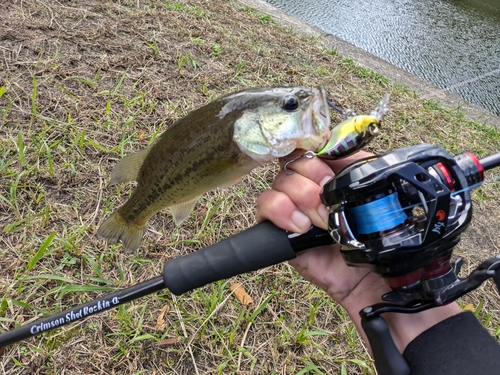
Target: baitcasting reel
{"x": 401, "y": 214}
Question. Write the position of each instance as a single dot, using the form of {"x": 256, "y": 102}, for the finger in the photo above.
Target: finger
{"x": 278, "y": 208}
{"x": 304, "y": 193}
{"x": 339, "y": 164}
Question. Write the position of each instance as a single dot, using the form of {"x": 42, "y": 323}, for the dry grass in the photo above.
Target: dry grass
{"x": 83, "y": 79}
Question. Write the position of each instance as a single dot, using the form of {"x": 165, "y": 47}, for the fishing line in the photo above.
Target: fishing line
{"x": 479, "y": 184}
{"x": 492, "y": 179}
{"x": 386, "y": 213}
{"x": 376, "y": 216}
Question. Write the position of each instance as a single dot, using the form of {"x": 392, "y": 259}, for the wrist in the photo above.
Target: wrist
{"x": 404, "y": 328}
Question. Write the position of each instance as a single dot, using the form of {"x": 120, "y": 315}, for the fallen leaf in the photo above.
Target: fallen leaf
{"x": 160, "y": 322}
{"x": 469, "y": 307}
{"x": 141, "y": 136}
{"x": 241, "y": 294}
{"x": 169, "y": 341}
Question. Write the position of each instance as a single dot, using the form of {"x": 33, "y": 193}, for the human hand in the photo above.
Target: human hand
{"x": 294, "y": 204}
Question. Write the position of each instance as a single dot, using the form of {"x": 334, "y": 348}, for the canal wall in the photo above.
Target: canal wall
{"x": 425, "y": 89}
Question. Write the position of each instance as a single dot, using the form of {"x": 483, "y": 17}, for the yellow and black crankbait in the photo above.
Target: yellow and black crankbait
{"x": 354, "y": 133}
{"x": 350, "y": 135}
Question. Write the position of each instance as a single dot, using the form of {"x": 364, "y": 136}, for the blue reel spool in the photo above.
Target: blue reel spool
{"x": 379, "y": 215}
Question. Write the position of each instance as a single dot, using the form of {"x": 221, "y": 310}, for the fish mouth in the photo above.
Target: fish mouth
{"x": 316, "y": 121}
{"x": 320, "y": 105}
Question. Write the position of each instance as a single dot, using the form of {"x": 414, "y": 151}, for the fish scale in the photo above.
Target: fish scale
{"x": 214, "y": 146}
{"x": 178, "y": 181}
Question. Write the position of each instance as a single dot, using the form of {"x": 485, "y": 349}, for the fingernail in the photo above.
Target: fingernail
{"x": 323, "y": 213}
{"x": 325, "y": 180}
{"x": 301, "y": 221}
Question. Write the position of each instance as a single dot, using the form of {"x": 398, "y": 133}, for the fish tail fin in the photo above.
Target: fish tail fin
{"x": 117, "y": 229}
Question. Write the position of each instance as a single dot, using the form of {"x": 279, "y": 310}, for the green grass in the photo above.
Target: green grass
{"x": 68, "y": 114}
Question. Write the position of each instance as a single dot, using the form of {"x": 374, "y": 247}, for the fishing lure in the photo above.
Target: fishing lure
{"x": 349, "y": 136}
{"x": 354, "y": 133}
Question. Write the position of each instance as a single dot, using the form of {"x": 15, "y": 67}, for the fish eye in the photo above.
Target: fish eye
{"x": 290, "y": 103}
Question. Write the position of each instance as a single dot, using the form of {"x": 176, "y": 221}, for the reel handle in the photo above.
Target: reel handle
{"x": 388, "y": 360}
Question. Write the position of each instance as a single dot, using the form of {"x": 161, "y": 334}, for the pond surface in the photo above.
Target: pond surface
{"x": 455, "y": 44}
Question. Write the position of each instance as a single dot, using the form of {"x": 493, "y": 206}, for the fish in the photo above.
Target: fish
{"x": 354, "y": 133}
{"x": 214, "y": 146}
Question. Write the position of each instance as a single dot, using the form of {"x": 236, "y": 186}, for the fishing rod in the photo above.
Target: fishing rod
{"x": 258, "y": 247}
{"x": 373, "y": 217}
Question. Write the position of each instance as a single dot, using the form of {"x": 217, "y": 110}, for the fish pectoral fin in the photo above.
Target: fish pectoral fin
{"x": 182, "y": 210}
{"x": 128, "y": 168}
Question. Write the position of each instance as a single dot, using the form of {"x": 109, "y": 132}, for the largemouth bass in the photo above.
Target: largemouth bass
{"x": 214, "y": 146}
{"x": 354, "y": 133}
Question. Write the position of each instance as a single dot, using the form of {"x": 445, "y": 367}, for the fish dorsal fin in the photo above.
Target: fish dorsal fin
{"x": 127, "y": 168}
{"x": 182, "y": 210}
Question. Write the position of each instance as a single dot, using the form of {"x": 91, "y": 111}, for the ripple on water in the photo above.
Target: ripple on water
{"x": 446, "y": 42}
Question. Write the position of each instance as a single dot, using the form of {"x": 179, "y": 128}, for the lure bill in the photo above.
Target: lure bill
{"x": 354, "y": 133}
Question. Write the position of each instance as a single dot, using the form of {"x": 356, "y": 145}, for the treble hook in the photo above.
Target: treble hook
{"x": 346, "y": 113}
{"x": 307, "y": 154}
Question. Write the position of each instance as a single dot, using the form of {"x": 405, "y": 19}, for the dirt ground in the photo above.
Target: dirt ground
{"x": 85, "y": 82}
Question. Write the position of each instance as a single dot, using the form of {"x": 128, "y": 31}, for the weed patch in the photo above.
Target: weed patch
{"x": 85, "y": 83}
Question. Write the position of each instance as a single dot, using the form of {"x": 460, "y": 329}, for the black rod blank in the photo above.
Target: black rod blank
{"x": 82, "y": 311}
{"x": 260, "y": 246}
{"x": 491, "y": 161}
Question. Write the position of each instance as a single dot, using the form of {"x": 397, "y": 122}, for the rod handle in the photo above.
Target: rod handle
{"x": 260, "y": 246}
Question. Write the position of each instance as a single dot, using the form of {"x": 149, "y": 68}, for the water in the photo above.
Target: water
{"x": 455, "y": 44}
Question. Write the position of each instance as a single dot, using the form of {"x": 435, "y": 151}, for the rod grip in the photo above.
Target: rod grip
{"x": 257, "y": 247}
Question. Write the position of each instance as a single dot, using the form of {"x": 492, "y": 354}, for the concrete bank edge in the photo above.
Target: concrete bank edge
{"x": 424, "y": 88}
